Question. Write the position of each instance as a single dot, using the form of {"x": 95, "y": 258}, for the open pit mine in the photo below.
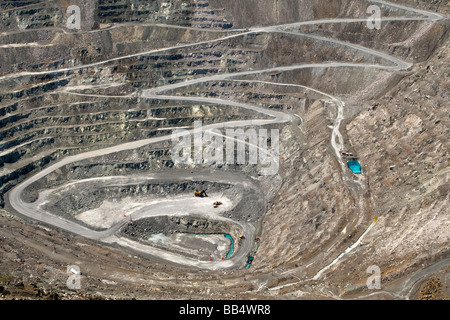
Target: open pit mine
{"x": 224, "y": 149}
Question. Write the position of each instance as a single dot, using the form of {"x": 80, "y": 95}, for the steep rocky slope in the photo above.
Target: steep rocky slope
{"x": 67, "y": 92}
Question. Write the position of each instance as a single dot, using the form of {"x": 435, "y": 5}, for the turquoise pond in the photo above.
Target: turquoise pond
{"x": 354, "y": 166}
{"x": 231, "y": 246}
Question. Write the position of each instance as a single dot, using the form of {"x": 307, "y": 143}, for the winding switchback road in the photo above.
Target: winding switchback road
{"x": 110, "y": 236}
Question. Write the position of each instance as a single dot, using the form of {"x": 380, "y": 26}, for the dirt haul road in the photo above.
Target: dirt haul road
{"x": 110, "y": 236}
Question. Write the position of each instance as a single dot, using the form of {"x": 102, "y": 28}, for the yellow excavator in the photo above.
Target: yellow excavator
{"x": 200, "y": 193}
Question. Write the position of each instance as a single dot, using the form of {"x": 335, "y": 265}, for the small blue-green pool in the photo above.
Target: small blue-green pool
{"x": 230, "y": 253}
{"x": 226, "y": 235}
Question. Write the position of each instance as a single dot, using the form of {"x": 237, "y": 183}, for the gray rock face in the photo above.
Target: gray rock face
{"x": 143, "y": 228}
{"x": 379, "y": 95}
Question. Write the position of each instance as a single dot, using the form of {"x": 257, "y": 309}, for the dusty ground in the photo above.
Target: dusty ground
{"x": 328, "y": 86}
